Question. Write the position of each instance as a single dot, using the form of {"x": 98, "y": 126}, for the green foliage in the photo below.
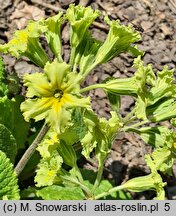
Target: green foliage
{"x": 8, "y": 143}
{"x": 55, "y": 192}
{"x": 10, "y": 116}
{"x": 3, "y": 86}
{"x": 8, "y": 180}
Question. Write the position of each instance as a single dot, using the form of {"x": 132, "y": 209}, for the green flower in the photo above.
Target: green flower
{"x": 80, "y": 18}
{"x": 119, "y": 39}
{"x": 53, "y": 35}
{"x": 52, "y": 95}
{"x": 26, "y": 42}
{"x": 153, "y": 181}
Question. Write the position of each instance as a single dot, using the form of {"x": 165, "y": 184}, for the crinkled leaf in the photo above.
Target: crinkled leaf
{"x": 56, "y": 192}
{"x": 101, "y": 133}
{"x": 3, "y": 86}
{"x": 8, "y": 179}
{"x": 11, "y": 115}
{"x": 8, "y": 143}
{"x": 77, "y": 130}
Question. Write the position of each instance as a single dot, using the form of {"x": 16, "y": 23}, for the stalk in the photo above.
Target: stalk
{"x": 75, "y": 181}
{"x": 91, "y": 87}
{"x": 112, "y": 190}
{"x": 29, "y": 152}
{"x": 100, "y": 172}
{"x": 135, "y": 125}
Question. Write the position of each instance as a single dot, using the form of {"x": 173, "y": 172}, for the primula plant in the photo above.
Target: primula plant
{"x": 50, "y": 130}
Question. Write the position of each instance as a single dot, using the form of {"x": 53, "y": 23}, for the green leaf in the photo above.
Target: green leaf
{"x": 115, "y": 101}
{"x": 3, "y": 86}
{"x": 13, "y": 84}
{"x": 12, "y": 118}
{"x": 77, "y": 130}
{"x": 56, "y": 192}
{"x": 104, "y": 186}
{"x": 68, "y": 154}
{"x": 28, "y": 193}
{"x": 101, "y": 133}
{"x": 8, "y": 180}
{"x": 89, "y": 175}
{"x": 8, "y": 143}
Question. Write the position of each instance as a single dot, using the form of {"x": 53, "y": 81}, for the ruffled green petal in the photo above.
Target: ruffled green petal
{"x": 77, "y": 101}
{"x": 56, "y": 73}
{"x": 49, "y": 144}
{"x": 48, "y": 170}
{"x": 38, "y": 85}
{"x": 37, "y": 108}
{"x": 58, "y": 117}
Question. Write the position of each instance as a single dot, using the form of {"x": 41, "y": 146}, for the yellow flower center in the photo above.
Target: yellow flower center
{"x": 58, "y": 93}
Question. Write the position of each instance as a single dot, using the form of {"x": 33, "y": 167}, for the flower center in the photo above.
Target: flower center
{"x": 58, "y": 93}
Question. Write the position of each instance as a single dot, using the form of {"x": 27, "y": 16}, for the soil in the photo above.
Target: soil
{"x": 156, "y": 20}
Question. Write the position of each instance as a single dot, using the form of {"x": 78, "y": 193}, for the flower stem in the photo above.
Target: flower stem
{"x": 100, "y": 172}
{"x": 91, "y": 87}
{"x": 75, "y": 181}
{"x": 29, "y": 152}
{"x": 112, "y": 190}
{"x": 135, "y": 125}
